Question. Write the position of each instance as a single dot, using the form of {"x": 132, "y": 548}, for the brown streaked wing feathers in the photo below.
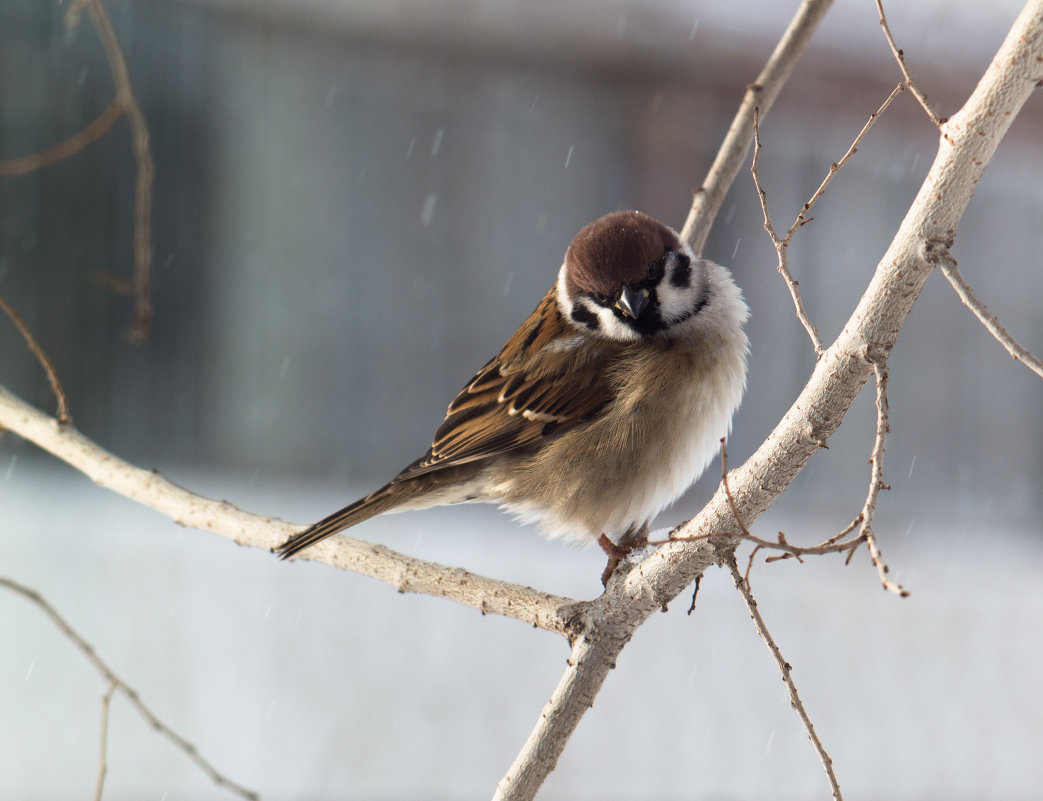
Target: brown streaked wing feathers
{"x": 557, "y": 388}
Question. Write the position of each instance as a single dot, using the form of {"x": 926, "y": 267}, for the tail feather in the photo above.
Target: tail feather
{"x": 363, "y": 509}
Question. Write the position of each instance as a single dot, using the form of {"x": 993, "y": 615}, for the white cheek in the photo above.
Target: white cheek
{"x": 677, "y": 302}
{"x": 611, "y": 326}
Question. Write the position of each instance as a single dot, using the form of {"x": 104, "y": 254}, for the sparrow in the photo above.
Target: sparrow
{"x": 605, "y": 405}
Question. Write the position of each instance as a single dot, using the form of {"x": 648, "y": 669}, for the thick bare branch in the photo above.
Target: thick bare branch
{"x": 761, "y": 95}
{"x": 404, "y": 573}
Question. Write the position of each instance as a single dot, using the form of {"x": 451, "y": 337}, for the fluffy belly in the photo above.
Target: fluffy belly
{"x": 620, "y": 471}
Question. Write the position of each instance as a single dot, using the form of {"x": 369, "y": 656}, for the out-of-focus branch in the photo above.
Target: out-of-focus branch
{"x": 69, "y": 147}
{"x": 137, "y": 331}
{"x": 115, "y": 682}
{"x": 761, "y": 95}
{"x": 124, "y": 103}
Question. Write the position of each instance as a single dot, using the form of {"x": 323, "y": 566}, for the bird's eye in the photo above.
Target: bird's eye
{"x": 600, "y": 297}
{"x": 655, "y": 270}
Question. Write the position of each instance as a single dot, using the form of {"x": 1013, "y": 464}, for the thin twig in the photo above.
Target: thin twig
{"x": 947, "y": 264}
{"x": 137, "y": 331}
{"x": 128, "y": 692}
{"x": 781, "y": 245}
{"x": 707, "y": 199}
{"x": 876, "y": 478}
{"x": 834, "y": 544}
{"x": 103, "y": 748}
{"x": 69, "y": 147}
{"x": 908, "y": 79}
{"x": 41, "y": 357}
{"x": 786, "y": 670}
{"x": 834, "y": 168}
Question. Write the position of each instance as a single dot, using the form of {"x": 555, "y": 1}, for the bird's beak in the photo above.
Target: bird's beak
{"x": 632, "y": 302}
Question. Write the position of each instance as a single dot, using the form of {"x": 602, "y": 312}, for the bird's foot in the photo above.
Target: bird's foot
{"x": 617, "y": 553}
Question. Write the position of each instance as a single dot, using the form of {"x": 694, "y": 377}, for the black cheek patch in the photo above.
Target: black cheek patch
{"x": 682, "y": 275}
{"x": 584, "y": 316}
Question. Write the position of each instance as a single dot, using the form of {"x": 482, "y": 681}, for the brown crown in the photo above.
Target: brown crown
{"x": 615, "y": 250}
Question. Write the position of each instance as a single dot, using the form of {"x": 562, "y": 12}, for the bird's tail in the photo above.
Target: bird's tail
{"x": 363, "y": 509}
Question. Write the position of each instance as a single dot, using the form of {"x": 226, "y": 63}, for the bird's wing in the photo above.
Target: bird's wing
{"x": 547, "y": 379}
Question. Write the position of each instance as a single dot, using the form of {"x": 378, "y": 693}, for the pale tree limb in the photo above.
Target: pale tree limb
{"x": 406, "y": 574}
{"x": 761, "y": 95}
{"x": 128, "y": 692}
{"x": 103, "y": 748}
{"x": 743, "y": 586}
{"x": 636, "y": 591}
{"x": 907, "y": 78}
{"x": 947, "y": 264}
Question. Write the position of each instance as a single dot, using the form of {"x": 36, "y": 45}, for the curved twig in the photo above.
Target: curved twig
{"x": 45, "y": 363}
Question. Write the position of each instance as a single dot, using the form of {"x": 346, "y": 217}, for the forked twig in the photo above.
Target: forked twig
{"x": 128, "y": 692}
{"x": 834, "y": 544}
{"x": 787, "y": 676}
{"x": 124, "y": 103}
{"x": 52, "y": 374}
{"x": 782, "y": 243}
{"x": 907, "y": 78}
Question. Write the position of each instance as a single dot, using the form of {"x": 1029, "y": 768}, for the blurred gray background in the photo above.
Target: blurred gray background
{"x": 355, "y": 204}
